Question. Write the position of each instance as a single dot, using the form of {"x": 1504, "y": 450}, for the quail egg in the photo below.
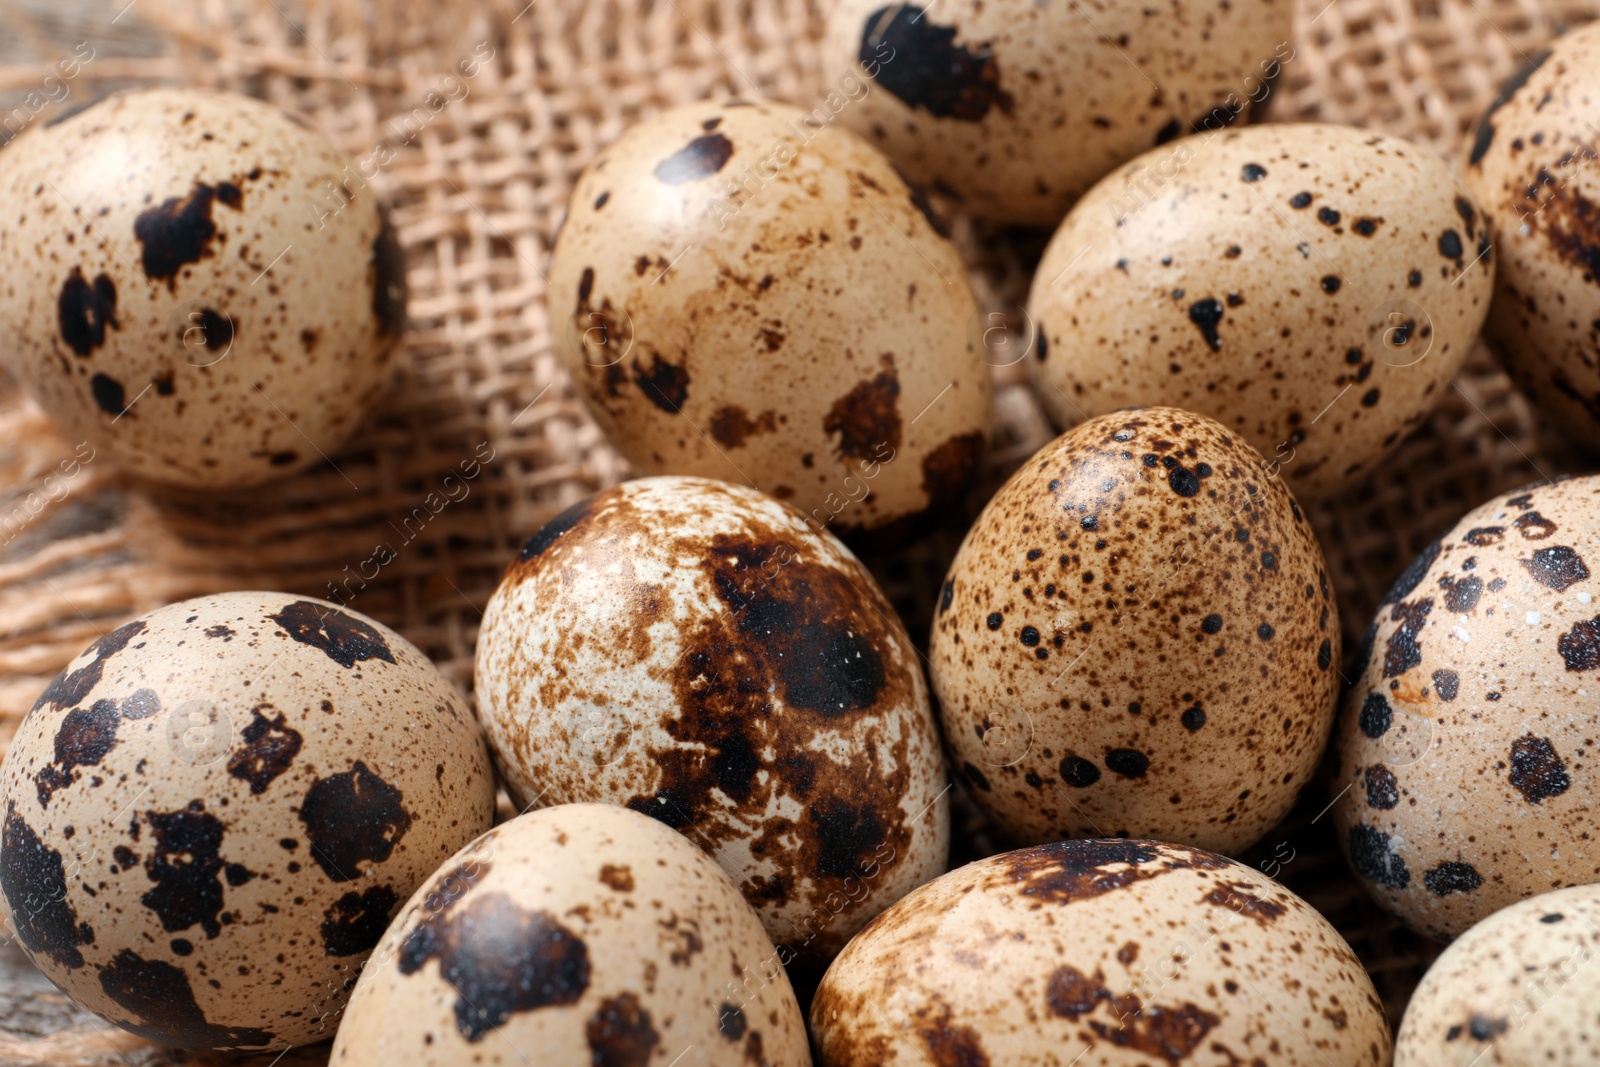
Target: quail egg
{"x": 1017, "y": 107}
{"x": 747, "y": 294}
{"x": 1466, "y": 744}
{"x": 211, "y": 293}
{"x": 575, "y": 936}
{"x": 1314, "y": 288}
{"x": 691, "y": 650}
{"x": 1100, "y": 953}
{"x": 212, "y": 813}
{"x": 1138, "y": 638}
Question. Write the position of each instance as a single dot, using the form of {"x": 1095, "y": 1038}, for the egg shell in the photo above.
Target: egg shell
{"x": 576, "y": 935}
{"x": 689, "y": 649}
{"x": 1530, "y": 165}
{"x": 212, "y": 813}
{"x": 745, "y": 296}
{"x": 1312, "y": 287}
{"x": 1016, "y": 108}
{"x": 211, "y": 293}
{"x": 1520, "y": 988}
{"x": 1465, "y": 750}
{"x": 1137, "y": 638}
{"x": 1100, "y": 953}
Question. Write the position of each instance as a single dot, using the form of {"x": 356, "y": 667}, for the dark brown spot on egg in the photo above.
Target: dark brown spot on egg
{"x": 1463, "y": 595}
{"x": 1170, "y": 1034}
{"x": 1446, "y": 683}
{"x": 619, "y": 877}
{"x": 1580, "y": 646}
{"x": 141, "y": 705}
{"x": 949, "y": 469}
{"x": 1534, "y": 526}
{"x": 867, "y": 418}
{"x": 34, "y": 881}
{"x": 356, "y": 921}
{"x": 270, "y": 746}
{"x": 1239, "y": 899}
{"x": 1327, "y": 216}
{"x": 1127, "y": 762}
{"x": 620, "y": 1033}
{"x": 1450, "y": 245}
{"x": 501, "y": 959}
{"x": 1404, "y": 649}
{"x": 1383, "y": 791}
{"x": 945, "y": 1043}
{"x": 1066, "y": 871}
{"x": 700, "y": 158}
{"x": 344, "y": 638}
{"x": 350, "y": 818}
{"x": 1452, "y": 877}
{"x": 82, "y": 740}
{"x": 1537, "y": 772}
{"x": 1484, "y": 134}
{"x": 1300, "y": 200}
{"x": 185, "y": 865}
{"x": 664, "y": 384}
{"x": 731, "y": 425}
{"x": 1207, "y": 315}
{"x": 551, "y": 531}
{"x": 1371, "y": 853}
{"x": 1557, "y": 567}
{"x": 1252, "y": 172}
{"x": 108, "y": 393}
{"x": 83, "y": 311}
{"x": 161, "y": 1001}
{"x": 388, "y": 280}
{"x": 1079, "y": 772}
{"x": 929, "y": 70}
{"x": 179, "y": 231}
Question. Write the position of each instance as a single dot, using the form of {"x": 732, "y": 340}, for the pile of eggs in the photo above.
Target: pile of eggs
{"x": 257, "y": 820}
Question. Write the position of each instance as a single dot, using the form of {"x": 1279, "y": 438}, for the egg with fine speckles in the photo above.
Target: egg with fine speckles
{"x": 1314, "y": 288}
{"x": 212, "y": 813}
{"x": 1520, "y": 988}
{"x": 1531, "y": 165}
{"x": 1466, "y": 751}
{"x": 1100, "y": 953}
{"x": 1016, "y": 107}
{"x": 692, "y": 650}
{"x": 1138, "y": 638}
{"x": 746, "y": 293}
{"x": 212, "y": 293}
{"x": 573, "y": 936}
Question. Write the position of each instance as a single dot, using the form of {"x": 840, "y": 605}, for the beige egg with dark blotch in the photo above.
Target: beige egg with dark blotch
{"x": 1138, "y": 638}
{"x": 1312, "y": 287}
{"x": 745, "y": 294}
{"x": 1015, "y": 108}
{"x": 1519, "y": 989}
{"x": 212, "y": 813}
{"x": 1100, "y": 953}
{"x": 1531, "y": 165}
{"x": 691, "y": 650}
{"x": 213, "y": 294}
{"x": 1465, "y": 765}
{"x": 576, "y": 935}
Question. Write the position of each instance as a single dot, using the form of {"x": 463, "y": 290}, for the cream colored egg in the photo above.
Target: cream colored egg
{"x": 1466, "y": 747}
{"x": 744, "y": 295}
{"x": 1531, "y": 166}
{"x": 690, "y": 649}
{"x": 1519, "y": 989}
{"x": 1102, "y": 953}
{"x": 1137, "y": 638}
{"x": 205, "y": 289}
{"x": 1312, "y": 287}
{"x": 212, "y": 813}
{"x": 1017, "y": 107}
{"x": 573, "y": 936}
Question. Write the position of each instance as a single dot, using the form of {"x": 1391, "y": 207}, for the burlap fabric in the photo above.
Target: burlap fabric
{"x": 480, "y": 171}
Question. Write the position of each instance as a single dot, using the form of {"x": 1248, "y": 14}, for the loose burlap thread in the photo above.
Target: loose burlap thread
{"x": 478, "y": 187}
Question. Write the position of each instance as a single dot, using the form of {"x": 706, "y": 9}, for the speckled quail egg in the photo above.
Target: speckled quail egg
{"x": 747, "y": 295}
{"x": 578, "y": 935}
{"x": 1017, "y": 107}
{"x": 211, "y": 292}
{"x": 1137, "y": 638}
{"x": 1519, "y": 989}
{"x": 1100, "y": 953}
{"x": 1312, "y": 287}
{"x": 690, "y": 649}
{"x": 1466, "y": 744}
{"x": 1531, "y": 166}
{"x": 212, "y": 813}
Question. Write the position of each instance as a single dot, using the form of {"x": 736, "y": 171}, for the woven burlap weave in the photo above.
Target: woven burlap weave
{"x": 479, "y": 186}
